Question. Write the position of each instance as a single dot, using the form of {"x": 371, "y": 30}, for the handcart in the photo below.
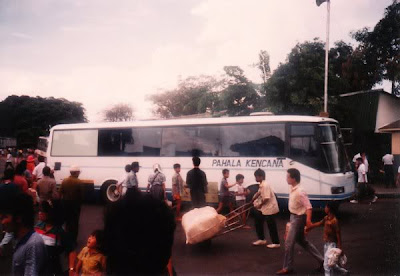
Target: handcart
{"x": 234, "y": 219}
{"x": 204, "y": 224}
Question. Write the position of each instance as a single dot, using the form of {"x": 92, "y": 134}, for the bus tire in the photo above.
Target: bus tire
{"x": 104, "y": 189}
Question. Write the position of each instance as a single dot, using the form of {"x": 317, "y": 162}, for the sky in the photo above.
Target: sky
{"x": 102, "y": 52}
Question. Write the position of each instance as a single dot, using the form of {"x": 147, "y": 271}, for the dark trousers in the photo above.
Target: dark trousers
{"x": 198, "y": 199}
{"x": 259, "y": 220}
{"x": 132, "y": 192}
{"x": 364, "y": 191}
{"x": 389, "y": 176}
{"x": 72, "y": 212}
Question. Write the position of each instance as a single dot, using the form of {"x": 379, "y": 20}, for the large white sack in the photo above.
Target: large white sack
{"x": 201, "y": 224}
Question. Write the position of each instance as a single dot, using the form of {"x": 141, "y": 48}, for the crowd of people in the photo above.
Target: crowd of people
{"x": 361, "y": 170}
{"x": 28, "y": 194}
{"x": 41, "y": 229}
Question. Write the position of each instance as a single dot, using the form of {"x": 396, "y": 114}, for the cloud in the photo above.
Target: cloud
{"x": 239, "y": 29}
{"x": 21, "y": 35}
{"x": 100, "y": 53}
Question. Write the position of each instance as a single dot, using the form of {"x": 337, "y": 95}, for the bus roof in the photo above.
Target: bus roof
{"x": 198, "y": 121}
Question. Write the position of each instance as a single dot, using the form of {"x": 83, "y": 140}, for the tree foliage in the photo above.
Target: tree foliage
{"x": 193, "y": 95}
{"x": 119, "y": 113}
{"x": 240, "y": 96}
{"x": 296, "y": 86}
{"x": 380, "y": 47}
{"x": 196, "y": 95}
{"x": 27, "y": 118}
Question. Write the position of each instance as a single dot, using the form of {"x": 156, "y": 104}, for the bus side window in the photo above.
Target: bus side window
{"x": 190, "y": 141}
{"x": 130, "y": 142}
{"x": 75, "y": 142}
{"x": 259, "y": 140}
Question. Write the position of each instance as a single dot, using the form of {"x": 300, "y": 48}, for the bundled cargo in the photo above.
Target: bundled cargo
{"x": 201, "y": 224}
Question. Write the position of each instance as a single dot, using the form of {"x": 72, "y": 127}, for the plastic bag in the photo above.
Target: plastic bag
{"x": 335, "y": 257}
{"x": 201, "y": 224}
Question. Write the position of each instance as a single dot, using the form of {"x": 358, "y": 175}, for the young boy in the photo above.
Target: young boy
{"x": 177, "y": 189}
{"x": 332, "y": 236}
{"x": 90, "y": 260}
{"x": 241, "y": 193}
{"x": 266, "y": 207}
{"x": 224, "y": 195}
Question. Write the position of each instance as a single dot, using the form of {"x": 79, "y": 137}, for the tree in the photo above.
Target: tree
{"x": 26, "y": 118}
{"x": 381, "y": 46}
{"x": 296, "y": 86}
{"x": 240, "y": 96}
{"x": 119, "y": 112}
{"x": 193, "y": 95}
{"x": 196, "y": 95}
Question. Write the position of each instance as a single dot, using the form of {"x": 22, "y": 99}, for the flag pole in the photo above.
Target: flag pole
{"x": 326, "y": 57}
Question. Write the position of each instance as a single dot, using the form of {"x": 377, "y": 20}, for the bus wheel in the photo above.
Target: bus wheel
{"x": 109, "y": 191}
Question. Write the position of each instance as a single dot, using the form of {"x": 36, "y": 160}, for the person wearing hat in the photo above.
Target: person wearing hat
{"x": 156, "y": 183}
{"x": 71, "y": 192}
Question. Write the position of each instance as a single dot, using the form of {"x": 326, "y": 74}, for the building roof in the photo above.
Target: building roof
{"x": 392, "y": 127}
{"x": 369, "y": 110}
{"x": 375, "y": 91}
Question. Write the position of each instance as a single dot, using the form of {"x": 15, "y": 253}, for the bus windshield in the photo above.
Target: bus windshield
{"x": 333, "y": 153}
{"x": 42, "y": 145}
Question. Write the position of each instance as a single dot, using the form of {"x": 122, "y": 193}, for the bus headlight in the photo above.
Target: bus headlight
{"x": 337, "y": 190}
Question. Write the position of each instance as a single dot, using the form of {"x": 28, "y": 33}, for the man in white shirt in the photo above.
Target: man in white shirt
{"x": 387, "y": 160}
{"x": 365, "y": 161}
{"x": 38, "y": 170}
{"x": 362, "y": 183}
{"x": 300, "y": 215}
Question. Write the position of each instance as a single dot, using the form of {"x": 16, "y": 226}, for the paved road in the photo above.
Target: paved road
{"x": 371, "y": 239}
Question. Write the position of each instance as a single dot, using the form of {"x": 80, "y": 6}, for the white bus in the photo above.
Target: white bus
{"x": 313, "y": 145}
